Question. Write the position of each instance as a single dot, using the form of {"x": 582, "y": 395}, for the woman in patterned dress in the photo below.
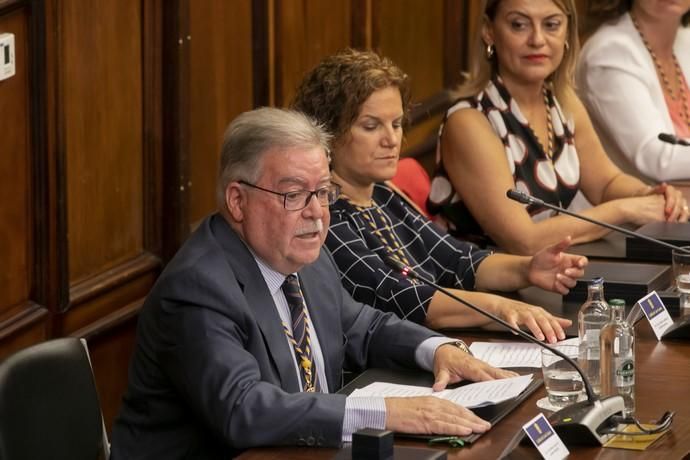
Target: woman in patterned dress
{"x": 361, "y": 98}
{"x": 518, "y": 124}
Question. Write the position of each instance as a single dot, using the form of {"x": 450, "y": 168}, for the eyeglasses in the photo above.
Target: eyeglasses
{"x": 297, "y": 200}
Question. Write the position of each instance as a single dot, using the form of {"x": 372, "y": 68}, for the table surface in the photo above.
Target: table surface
{"x": 662, "y": 383}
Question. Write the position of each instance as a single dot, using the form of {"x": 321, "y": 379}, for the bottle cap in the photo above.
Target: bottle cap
{"x": 617, "y": 302}
{"x": 597, "y": 280}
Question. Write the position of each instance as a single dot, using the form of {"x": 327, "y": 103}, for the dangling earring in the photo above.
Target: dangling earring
{"x": 567, "y": 45}
{"x": 490, "y": 50}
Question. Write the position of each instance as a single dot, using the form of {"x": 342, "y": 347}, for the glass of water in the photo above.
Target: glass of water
{"x": 681, "y": 274}
{"x": 563, "y": 383}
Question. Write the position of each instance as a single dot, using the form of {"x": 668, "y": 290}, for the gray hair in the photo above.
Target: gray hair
{"x": 253, "y": 133}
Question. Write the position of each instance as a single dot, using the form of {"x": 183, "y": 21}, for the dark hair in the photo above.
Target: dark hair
{"x": 333, "y": 92}
{"x": 601, "y": 11}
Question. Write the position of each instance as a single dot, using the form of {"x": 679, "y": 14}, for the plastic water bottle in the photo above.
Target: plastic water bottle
{"x": 593, "y": 315}
{"x": 617, "y": 342}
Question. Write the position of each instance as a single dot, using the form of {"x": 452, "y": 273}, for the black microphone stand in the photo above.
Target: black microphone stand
{"x": 680, "y": 328}
{"x": 524, "y": 198}
{"x": 576, "y": 424}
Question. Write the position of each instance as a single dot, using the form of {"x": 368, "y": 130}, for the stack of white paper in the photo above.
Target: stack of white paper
{"x": 472, "y": 395}
{"x": 512, "y": 354}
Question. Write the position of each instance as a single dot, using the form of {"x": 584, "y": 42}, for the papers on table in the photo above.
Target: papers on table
{"x": 473, "y": 395}
{"x": 512, "y": 354}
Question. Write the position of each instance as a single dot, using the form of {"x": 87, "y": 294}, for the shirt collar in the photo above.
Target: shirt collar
{"x": 274, "y": 280}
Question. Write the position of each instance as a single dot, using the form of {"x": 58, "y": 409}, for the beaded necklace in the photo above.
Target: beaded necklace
{"x": 549, "y": 124}
{"x": 549, "y": 128}
{"x": 381, "y": 226}
{"x": 664, "y": 79}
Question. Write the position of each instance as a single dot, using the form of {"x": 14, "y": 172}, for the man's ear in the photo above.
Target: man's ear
{"x": 235, "y": 201}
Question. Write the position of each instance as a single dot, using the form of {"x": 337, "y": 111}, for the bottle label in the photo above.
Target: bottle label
{"x": 625, "y": 372}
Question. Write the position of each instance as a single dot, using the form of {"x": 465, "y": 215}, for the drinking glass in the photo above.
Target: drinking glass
{"x": 563, "y": 383}
{"x": 681, "y": 275}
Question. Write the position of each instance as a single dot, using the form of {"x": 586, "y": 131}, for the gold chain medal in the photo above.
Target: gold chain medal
{"x": 306, "y": 365}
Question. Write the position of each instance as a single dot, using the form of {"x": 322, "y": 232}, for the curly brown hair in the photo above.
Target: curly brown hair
{"x": 333, "y": 92}
{"x": 601, "y": 11}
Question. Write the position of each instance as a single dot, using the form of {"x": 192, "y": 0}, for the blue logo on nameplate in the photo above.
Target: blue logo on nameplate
{"x": 652, "y": 305}
{"x": 655, "y": 311}
{"x": 540, "y": 431}
{"x": 547, "y": 442}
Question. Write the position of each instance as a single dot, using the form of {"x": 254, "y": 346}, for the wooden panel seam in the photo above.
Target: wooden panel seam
{"x": 108, "y": 322}
{"x": 8, "y": 5}
{"x": 113, "y": 278}
{"x": 27, "y": 314}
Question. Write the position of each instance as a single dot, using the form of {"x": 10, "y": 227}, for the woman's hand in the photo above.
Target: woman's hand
{"x": 675, "y": 207}
{"x": 554, "y": 270}
{"x": 542, "y": 324}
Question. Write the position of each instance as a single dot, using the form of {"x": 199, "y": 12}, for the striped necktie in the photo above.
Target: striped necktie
{"x": 298, "y": 334}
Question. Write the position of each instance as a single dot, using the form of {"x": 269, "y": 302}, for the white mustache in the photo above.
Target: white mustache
{"x": 315, "y": 226}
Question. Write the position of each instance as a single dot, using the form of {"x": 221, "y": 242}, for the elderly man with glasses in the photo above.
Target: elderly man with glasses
{"x": 243, "y": 339}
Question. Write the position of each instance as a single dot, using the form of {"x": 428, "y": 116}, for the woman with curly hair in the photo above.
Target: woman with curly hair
{"x": 363, "y": 98}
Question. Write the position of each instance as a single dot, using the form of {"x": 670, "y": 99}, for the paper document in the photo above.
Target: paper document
{"x": 472, "y": 395}
{"x": 512, "y": 354}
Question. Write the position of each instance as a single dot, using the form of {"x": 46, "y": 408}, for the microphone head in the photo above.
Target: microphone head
{"x": 668, "y": 138}
{"x": 519, "y": 196}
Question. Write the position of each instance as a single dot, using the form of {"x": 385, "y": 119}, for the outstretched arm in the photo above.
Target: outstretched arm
{"x": 551, "y": 268}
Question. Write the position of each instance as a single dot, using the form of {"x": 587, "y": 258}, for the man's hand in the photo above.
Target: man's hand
{"x": 430, "y": 415}
{"x": 451, "y": 365}
{"x": 554, "y": 270}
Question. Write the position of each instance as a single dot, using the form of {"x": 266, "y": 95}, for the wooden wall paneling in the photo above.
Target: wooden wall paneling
{"x": 16, "y": 233}
{"x": 454, "y": 50}
{"x": 101, "y": 81}
{"x": 262, "y": 25}
{"x": 306, "y": 31}
{"x": 152, "y": 52}
{"x": 361, "y": 28}
{"x": 22, "y": 320}
{"x": 220, "y": 76}
{"x": 176, "y": 126}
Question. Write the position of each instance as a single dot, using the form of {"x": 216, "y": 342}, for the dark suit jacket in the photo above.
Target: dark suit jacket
{"x": 212, "y": 372}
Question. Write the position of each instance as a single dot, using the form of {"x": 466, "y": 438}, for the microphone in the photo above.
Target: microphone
{"x": 680, "y": 328}
{"x": 524, "y": 198}
{"x": 576, "y": 424}
{"x": 672, "y": 139}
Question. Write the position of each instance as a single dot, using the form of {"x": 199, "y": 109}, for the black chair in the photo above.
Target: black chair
{"x": 49, "y": 407}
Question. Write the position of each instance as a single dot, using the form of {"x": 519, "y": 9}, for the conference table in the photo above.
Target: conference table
{"x": 662, "y": 383}
{"x": 662, "y": 378}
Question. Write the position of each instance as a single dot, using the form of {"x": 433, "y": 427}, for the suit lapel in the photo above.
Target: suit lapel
{"x": 259, "y": 301}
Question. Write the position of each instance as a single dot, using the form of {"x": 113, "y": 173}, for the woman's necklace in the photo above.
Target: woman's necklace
{"x": 549, "y": 124}
{"x": 664, "y": 79}
{"x": 549, "y": 128}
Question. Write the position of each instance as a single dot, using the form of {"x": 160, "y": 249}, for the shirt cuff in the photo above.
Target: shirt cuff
{"x": 424, "y": 354}
{"x": 363, "y": 412}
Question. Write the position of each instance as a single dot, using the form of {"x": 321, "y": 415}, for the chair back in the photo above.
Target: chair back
{"x": 49, "y": 407}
